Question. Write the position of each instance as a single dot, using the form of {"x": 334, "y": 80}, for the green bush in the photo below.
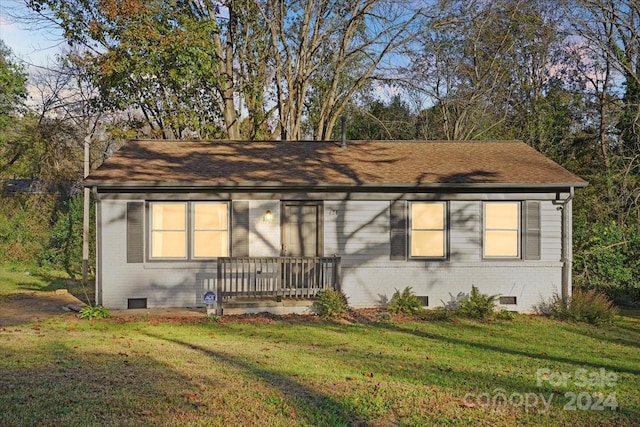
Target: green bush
{"x": 503, "y": 314}
{"x": 436, "y": 314}
{"x": 331, "y": 304}
{"x": 405, "y": 302}
{"x": 477, "y": 305}
{"x": 583, "y": 306}
{"x": 94, "y": 312}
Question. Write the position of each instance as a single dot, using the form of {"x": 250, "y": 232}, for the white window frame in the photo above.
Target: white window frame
{"x": 518, "y": 231}
{"x": 444, "y": 229}
{"x": 189, "y": 230}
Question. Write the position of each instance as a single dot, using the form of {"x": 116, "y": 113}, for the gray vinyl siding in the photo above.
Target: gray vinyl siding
{"x": 359, "y": 232}
{"x": 264, "y": 237}
{"x": 164, "y": 284}
{"x": 465, "y": 231}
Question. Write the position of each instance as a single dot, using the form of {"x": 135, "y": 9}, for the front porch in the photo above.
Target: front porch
{"x": 253, "y": 284}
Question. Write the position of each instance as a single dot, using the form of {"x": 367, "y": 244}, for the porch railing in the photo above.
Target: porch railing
{"x": 277, "y": 277}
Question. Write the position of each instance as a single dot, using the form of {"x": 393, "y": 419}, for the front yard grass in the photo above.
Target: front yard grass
{"x": 300, "y": 371}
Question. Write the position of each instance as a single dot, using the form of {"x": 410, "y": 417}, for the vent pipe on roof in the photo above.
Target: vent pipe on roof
{"x": 343, "y": 121}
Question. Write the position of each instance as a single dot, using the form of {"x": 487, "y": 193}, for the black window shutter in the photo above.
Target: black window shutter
{"x": 532, "y": 231}
{"x": 135, "y": 232}
{"x": 398, "y": 227}
{"x": 240, "y": 228}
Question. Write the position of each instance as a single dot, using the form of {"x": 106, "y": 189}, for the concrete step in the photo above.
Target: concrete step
{"x": 269, "y": 305}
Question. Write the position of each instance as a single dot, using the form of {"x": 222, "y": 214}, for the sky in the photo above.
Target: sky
{"x": 37, "y": 47}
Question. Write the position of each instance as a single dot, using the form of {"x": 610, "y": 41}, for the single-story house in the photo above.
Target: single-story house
{"x": 282, "y": 220}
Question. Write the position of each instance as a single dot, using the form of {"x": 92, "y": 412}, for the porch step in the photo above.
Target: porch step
{"x": 269, "y": 305}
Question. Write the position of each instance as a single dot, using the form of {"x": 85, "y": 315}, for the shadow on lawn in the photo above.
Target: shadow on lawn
{"x": 499, "y": 349}
{"x": 54, "y": 282}
{"x": 80, "y": 388}
{"x": 314, "y": 407}
{"x": 614, "y": 334}
{"x": 372, "y": 369}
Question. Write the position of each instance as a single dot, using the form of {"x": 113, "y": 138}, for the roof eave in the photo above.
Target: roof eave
{"x": 265, "y": 186}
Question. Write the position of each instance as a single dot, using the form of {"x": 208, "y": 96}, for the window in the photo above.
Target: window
{"x": 181, "y": 230}
{"x": 428, "y": 222}
{"x": 210, "y": 230}
{"x": 169, "y": 230}
{"x": 502, "y": 230}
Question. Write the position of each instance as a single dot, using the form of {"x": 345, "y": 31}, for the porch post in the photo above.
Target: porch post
{"x": 337, "y": 271}
{"x": 219, "y": 287}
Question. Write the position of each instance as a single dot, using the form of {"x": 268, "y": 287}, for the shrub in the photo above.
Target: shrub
{"x": 591, "y": 307}
{"x": 583, "y": 306}
{"x": 331, "y": 303}
{"x": 503, "y": 314}
{"x": 477, "y": 305}
{"x": 438, "y": 313}
{"x": 94, "y": 312}
{"x": 405, "y": 302}
{"x": 552, "y": 307}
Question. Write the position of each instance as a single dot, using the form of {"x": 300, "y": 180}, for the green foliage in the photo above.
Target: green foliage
{"x": 13, "y": 87}
{"x": 43, "y": 230}
{"x": 380, "y": 120}
{"x": 503, "y": 314}
{"x": 213, "y": 318}
{"x": 94, "y": 312}
{"x": 437, "y": 314}
{"x": 590, "y": 306}
{"x": 64, "y": 248}
{"x": 607, "y": 258}
{"x": 24, "y": 227}
{"x": 405, "y": 302}
{"x": 331, "y": 303}
{"x": 477, "y": 305}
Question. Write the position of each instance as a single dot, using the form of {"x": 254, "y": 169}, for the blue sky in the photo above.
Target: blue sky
{"x": 35, "y": 46}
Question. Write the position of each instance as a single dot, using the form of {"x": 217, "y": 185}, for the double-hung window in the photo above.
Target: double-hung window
{"x": 502, "y": 227}
{"x": 169, "y": 230}
{"x": 428, "y": 229}
{"x": 210, "y": 230}
{"x": 188, "y": 230}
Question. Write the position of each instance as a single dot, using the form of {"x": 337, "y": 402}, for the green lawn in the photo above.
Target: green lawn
{"x": 32, "y": 279}
{"x": 300, "y": 371}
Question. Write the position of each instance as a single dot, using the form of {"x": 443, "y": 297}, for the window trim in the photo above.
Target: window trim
{"x": 189, "y": 230}
{"x": 445, "y": 230}
{"x": 519, "y": 204}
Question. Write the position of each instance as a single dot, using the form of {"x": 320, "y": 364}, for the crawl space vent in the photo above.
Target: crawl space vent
{"x": 137, "y": 303}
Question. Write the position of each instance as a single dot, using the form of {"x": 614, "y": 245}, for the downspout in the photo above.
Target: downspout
{"x": 98, "y": 230}
{"x": 566, "y": 252}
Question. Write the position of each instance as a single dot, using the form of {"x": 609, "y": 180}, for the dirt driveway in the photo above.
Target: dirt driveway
{"x": 31, "y": 306}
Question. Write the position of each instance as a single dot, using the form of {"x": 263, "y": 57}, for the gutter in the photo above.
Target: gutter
{"x": 321, "y": 186}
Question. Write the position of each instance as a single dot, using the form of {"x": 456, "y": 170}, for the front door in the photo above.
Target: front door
{"x": 300, "y": 229}
{"x": 301, "y": 239}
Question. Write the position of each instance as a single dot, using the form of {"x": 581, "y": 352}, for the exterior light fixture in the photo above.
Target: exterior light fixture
{"x": 268, "y": 216}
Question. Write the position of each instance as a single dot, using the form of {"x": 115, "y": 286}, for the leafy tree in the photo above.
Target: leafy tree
{"x": 379, "y": 120}
{"x": 13, "y": 94}
{"x": 193, "y": 67}
{"x": 486, "y": 68}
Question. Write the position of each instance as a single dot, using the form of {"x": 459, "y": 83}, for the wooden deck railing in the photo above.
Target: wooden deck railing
{"x": 277, "y": 277}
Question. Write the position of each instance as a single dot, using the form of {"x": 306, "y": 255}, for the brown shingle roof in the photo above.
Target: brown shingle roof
{"x": 308, "y": 163}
